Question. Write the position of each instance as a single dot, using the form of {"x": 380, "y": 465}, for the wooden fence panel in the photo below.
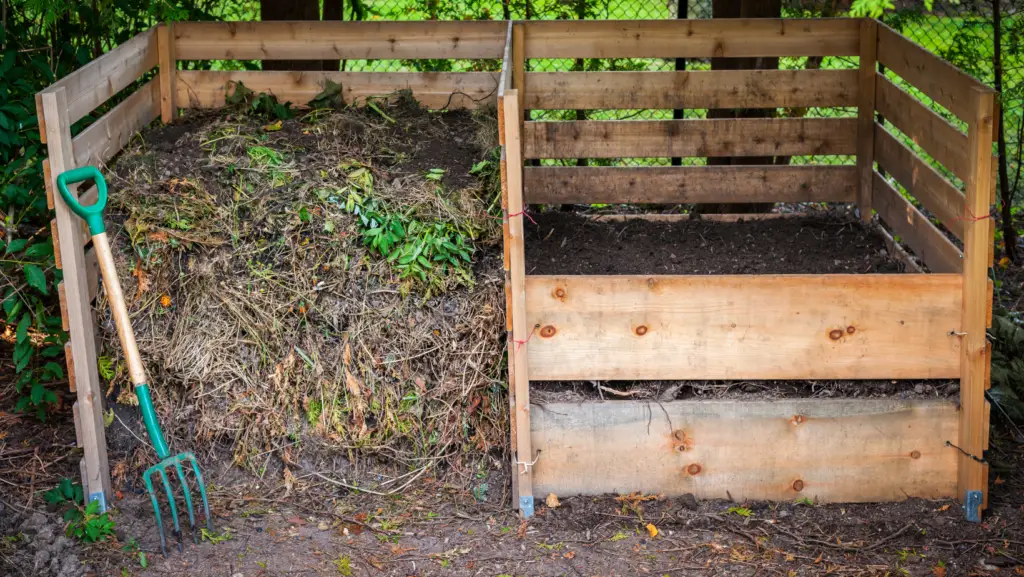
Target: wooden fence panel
{"x": 729, "y": 38}
{"x": 435, "y": 90}
{"x": 339, "y": 40}
{"x": 689, "y": 184}
{"x": 681, "y": 138}
{"x": 691, "y": 89}
{"x": 834, "y": 450}
{"x": 744, "y": 327}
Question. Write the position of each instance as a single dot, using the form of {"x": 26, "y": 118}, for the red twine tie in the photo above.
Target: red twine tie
{"x": 523, "y": 342}
{"x": 522, "y": 213}
{"x": 972, "y": 217}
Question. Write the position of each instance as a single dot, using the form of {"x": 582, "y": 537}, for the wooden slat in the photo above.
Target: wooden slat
{"x": 93, "y": 84}
{"x": 106, "y": 137}
{"x": 938, "y": 138}
{"x": 896, "y": 251}
{"x": 689, "y": 184}
{"x": 521, "y": 331}
{"x": 505, "y": 80}
{"x": 743, "y": 327}
{"x": 519, "y": 65}
{"x": 923, "y": 182}
{"x": 731, "y": 38}
{"x": 973, "y": 475}
{"x": 48, "y": 179}
{"x": 711, "y": 137}
{"x": 338, "y": 40}
{"x": 69, "y": 361}
{"x": 81, "y": 326}
{"x": 168, "y": 71}
{"x": 435, "y": 90}
{"x": 92, "y": 274}
{"x": 866, "y": 115}
{"x": 940, "y": 80}
{"x": 936, "y": 251}
{"x": 826, "y": 450}
{"x": 62, "y": 297}
{"x": 55, "y": 234}
{"x": 691, "y": 89}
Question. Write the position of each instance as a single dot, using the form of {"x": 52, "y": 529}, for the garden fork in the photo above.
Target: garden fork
{"x": 93, "y": 216}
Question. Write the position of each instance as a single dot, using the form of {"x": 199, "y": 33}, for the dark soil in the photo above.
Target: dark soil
{"x": 567, "y": 243}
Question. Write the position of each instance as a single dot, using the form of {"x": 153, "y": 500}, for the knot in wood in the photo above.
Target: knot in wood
{"x": 694, "y": 469}
{"x": 547, "y": 332}
{"x": 641, "y": 331}
{"x": 851, "y": 329}
{"x": 798, "y": 485}
{"x": 915, "y": 454}
{"x": 835, "y": 334}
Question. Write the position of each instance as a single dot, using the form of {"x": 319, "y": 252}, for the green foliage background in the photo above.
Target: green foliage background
{"x": 43, "y": 40}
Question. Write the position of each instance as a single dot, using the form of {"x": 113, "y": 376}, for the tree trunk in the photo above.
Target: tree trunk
{"x": 741, "y": 9}
{"x": 271, "y": 10}
{"x": 1005, "y": 192}
{"x": 333, "y": 10}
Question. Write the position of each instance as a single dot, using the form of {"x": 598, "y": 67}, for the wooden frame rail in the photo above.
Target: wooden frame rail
{"x": 911, "y": 326}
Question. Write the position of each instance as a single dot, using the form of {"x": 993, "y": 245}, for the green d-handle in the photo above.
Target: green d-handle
{"x": 92, "y": 214}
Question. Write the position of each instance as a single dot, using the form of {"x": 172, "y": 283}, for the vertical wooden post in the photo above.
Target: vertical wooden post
{"x": 82, "y": 363}
{"x": 519, "y": 65}
{"x": 866, "y": 115}
{"x": 972, "y": 473}
{"x": 168, "y": 72}
{"x": 521, "y": 333}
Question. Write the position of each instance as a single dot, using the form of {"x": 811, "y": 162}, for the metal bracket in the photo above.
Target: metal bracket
{"x": 526, "y": 506}
{"x": 972, "y": 506}
{"x": 101, "y": 498}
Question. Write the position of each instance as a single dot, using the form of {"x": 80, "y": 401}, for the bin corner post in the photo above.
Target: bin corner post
{"x": 168, "y": 73}
{"x": 866, "y": 115}
{"x": 972, "y": 477}
{"x": 81, "y": 337}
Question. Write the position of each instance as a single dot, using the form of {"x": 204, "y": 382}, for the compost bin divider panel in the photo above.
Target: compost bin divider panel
{"x": 339, "y": 40}
{"x": 103, "y": 139}
{"x": 928, "y": 242}
{"x": 866, "y": 115}
{"x": 691, "y": 89}
{"x": 764, "y": 327}
{"x": 168, "y": 71}
{"x": 80, "y": 321}
{"x": 923, "y": 182}
{"x": 435, "y": 90}
{"x": 703, "y": 137}
{"x": 732, "y": 38}
{"x": 940, "y": 139}
{"x": 522, "y": 333}
{"x": 846, "y": 450}
{"x": 689, "y": 184}
{"x": 973, "y": 474}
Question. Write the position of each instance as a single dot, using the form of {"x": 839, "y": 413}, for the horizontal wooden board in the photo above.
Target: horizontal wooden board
{"x": 744, "y": 327}
{"x": 435, "y": 90}
{"x": 923, "y": 182}
{"x": 689, "y": 184}
{"x": 938, "y": 138}
{"x": 710, "y": 137}
{"x": 93, "y": 84}
{"x": 675, "y": 217}
{"x": 103, "y": 139}
{"x": 341, "y": 40}
{"x": 940, "y": 80}
{"x": 826, "y": 450}
{"x": 914, "y": 229}
{"x": 738, "y": 37}
{"x": 691, "y": 89}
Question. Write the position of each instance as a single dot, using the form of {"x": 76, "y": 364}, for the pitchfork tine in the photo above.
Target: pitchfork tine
{"x": 188, "y": 499}
{"x": 202, "y": 489}
{"x": 147, "y": 479}
{"x": 170, "y": 501}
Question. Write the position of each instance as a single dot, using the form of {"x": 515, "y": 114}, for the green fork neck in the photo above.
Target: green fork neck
{"x": 156, "y": 436}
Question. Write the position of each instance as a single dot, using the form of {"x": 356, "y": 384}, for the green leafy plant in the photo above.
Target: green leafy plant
{"x": 89, "y": 524}
{"x": 66, "y": 491}
{"x": 215, "y": 537}
{"x": 263, "y": 105}
{"x": 741, "y": 511}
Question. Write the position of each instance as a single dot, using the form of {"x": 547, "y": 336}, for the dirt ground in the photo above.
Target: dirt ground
{"x": 827, "y": 243}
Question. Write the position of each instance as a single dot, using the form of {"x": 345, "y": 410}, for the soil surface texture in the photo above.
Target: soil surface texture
{"x": 568, "y": 243}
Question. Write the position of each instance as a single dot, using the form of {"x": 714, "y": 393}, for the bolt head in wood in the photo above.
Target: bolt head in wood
{"x": 559, "y": 293}
{"x": 547, "y": 332}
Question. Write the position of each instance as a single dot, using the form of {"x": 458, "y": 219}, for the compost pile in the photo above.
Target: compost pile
{"x": 315, "y": 292}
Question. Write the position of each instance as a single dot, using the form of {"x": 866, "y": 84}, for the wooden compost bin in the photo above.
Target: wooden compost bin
{"x": 161, "y": 94}
{"x": 801, "y": 327}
